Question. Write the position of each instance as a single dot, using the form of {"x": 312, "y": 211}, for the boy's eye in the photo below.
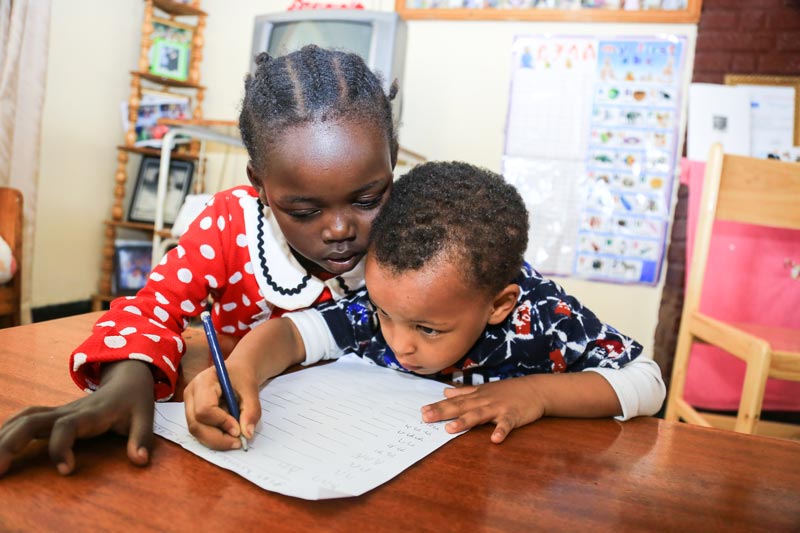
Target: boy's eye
{"x": 430, "y": 332}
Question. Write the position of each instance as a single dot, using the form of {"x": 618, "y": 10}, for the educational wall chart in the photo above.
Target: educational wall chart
{"x": 591, "y": 143}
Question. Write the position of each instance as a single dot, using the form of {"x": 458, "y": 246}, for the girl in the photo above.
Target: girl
{"x": 322, "y": 145}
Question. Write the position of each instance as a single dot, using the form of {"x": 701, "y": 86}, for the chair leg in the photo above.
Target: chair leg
{"x": 755, "y": 382}
{"x": 678, "y": 381}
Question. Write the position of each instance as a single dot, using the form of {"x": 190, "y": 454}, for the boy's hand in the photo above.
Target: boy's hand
{"x": 206, "y": 412}
{"x": 124, "y": 403}
{"x": 510, "y": 403}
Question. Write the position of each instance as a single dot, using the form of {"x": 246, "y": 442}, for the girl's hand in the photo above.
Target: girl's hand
{"x": 123, "y": 402}
{"x": 510, "y": 403}
{"x": 206, "y": 412}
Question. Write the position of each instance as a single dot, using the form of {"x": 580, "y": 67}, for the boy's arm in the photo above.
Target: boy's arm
{"x": 266, "y": 351}
{"x": 123, "y": 402}
{"x": 515, "y": 402}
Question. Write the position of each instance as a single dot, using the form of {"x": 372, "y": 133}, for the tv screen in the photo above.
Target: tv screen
{"x": 377, "y": 36}
{"x": 352, "y": 36}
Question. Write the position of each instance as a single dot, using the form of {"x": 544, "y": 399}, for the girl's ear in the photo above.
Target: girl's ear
{"x": 257, "y": 183}
{"x": 503, "y": 303}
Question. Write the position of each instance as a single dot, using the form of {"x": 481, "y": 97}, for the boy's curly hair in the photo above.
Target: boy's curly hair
{"x": 457, "y": 212}
{"x": 311, "y": 85}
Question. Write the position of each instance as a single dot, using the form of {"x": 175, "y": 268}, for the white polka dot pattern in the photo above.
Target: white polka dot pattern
{"x": 77, "y": 361}
{"x": 213, "y": 255}
{"x": 140, "y": 357}
{"x": 185, "y": 275}
{"x": 115, "y": 341}
{"x": 207, "y": 251}
{"x": 161, "y": 313}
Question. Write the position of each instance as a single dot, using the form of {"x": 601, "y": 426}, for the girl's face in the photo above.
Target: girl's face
{"x": 325, "y": 183}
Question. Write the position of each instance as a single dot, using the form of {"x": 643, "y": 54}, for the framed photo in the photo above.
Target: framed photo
{"x": 155, "y": 105}
{"x": 171, "y": 49}
{"x": 143, "y": 200}
{"x": 131, "y": 265}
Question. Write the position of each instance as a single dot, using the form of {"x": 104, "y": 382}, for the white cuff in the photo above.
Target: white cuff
{"x": 639, "y": 387}
{"x": 316, "y": 335}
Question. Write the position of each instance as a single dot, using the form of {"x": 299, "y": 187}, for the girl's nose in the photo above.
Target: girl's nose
{"x": 340, "y": 227}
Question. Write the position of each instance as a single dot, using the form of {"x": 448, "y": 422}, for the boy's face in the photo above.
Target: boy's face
{"x": 429, "y": 317}
{"x": 325, "y": 183}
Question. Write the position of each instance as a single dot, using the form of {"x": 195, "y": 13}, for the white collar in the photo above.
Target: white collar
{"x": 289, "y": 285}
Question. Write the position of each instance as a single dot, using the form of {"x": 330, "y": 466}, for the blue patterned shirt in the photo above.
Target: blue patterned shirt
{"x": 548, "y": 331}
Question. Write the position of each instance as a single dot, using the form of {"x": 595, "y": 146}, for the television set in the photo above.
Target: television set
{"x": 378, "y": 37}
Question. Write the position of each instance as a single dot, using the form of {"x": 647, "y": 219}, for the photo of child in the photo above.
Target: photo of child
{"x": 132, "y": 265}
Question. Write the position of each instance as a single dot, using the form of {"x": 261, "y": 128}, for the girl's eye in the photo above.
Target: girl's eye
{"x": 430, "y": 332}
{"x": 302, "y": 214}
{"x": 369, "y": 203}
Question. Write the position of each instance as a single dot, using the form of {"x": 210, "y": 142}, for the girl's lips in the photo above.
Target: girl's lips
{"x": 340, "y": 265}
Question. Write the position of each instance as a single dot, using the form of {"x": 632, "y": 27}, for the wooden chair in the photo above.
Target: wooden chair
{"x": 752, "y": 191}
{"x": 11, "y": 231}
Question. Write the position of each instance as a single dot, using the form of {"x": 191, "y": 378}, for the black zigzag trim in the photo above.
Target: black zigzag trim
{"x": 342, "y": 284}
{"x": 262, "y": 257}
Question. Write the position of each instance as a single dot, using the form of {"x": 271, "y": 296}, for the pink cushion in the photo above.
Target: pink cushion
{"x": 746, "y": 281}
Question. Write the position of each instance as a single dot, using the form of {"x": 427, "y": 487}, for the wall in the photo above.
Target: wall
{"x": 746, "y": 37}
{"x": 457, "y": 78}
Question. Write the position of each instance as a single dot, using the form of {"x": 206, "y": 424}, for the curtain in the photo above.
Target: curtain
{"x": 24, "y": 40}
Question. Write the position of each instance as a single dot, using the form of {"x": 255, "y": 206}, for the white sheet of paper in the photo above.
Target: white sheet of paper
{"x": 771, "y": 119}
{"x": 331, "y": 431}
{"x": 718, "y": 113}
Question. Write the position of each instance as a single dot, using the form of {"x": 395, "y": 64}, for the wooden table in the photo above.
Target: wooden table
{"x": 644, "y": 474}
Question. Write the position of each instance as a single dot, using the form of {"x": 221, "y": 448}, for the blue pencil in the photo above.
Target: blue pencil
{"x": 222, "y": 372}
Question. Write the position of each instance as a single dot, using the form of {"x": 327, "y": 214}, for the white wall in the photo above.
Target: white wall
{"x": 454, "y": 107}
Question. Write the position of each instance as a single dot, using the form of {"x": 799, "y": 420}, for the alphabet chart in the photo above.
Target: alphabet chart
{"x": 592, "y": 144}
{"x": 329, "y": 431}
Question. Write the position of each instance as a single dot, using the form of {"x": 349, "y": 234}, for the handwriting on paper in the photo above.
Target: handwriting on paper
{"x": 327, "y": 432}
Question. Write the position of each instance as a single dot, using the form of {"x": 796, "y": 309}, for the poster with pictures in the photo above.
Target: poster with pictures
{"x": 600, "y": 202}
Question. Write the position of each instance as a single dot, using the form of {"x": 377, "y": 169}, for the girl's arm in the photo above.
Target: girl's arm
{"x": 263, "y": 353}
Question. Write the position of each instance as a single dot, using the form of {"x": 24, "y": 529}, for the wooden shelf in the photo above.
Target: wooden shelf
{"x": 165, "y": 233}
{"x": 178, "y": 9}
{"x": 166, "y": 81}
{"x": 155, "y": 152}
{"x": 690, "y": 14}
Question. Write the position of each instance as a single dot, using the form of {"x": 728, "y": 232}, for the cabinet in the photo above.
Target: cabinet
{"x": 181, "y": 14}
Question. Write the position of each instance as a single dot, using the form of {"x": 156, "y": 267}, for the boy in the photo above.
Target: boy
{"x": 450, "y": 296}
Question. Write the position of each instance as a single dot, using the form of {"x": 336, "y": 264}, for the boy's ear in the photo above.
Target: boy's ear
{"x": 503, "y": 303}
{"x": 257, "y": 183}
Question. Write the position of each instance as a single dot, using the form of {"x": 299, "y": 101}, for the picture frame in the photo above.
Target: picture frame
{"x": 171, "y": 48}
{"x": 143, "y": 200}
{"x": 153, "y": 106}
{"x": 132, "y": 264}
{"x": 777, "y": 81}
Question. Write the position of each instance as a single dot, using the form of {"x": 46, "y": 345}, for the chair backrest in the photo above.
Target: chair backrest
{"x": 749, "y": 190}
{"x": 11, "y": 231}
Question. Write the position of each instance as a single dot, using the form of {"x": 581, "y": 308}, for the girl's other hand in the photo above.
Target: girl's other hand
{"x": 123, "y": 402}
{"x": 206, "y": 412}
